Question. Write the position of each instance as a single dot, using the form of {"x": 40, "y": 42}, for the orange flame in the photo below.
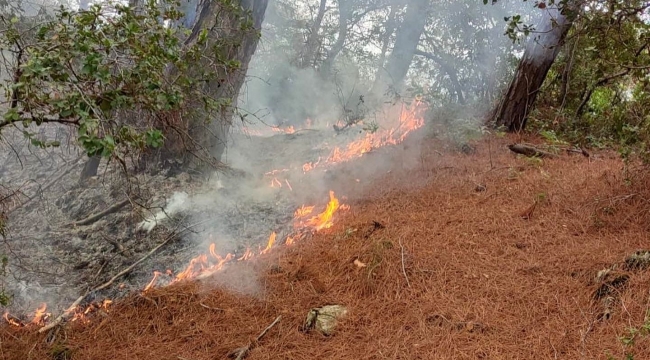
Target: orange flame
{"x": 151, "y": 283}
{"x": 40, "y": 316}
{"x": 276, "y": 183}
{"x": 12, "y": 320}
{"x": 303, "y": 211}
{"x": 324, "y": 219}
{"x": 410, "y": 119}
{"x": 247, "y": 255}
{"x": 80, "y": 314}
{"x": 270, "y": 243}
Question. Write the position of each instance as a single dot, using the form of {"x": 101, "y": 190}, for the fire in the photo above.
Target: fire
{"x": 81, "y": 314}
{"x": 270, "y": 243}
{"x": 151, "y": 283}
{"x": 303, "y": 211}
{"x": 324, "y": 219}
{"x": 247, "y": 255}
{"x": 287, "y": 130}
{"x": 12, "y": 320}
{"x": 276, "y": 183}
{"x": 40, "y": 316}
{"x": 410, "y": 119}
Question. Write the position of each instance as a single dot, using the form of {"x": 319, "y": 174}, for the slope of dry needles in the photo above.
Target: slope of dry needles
{"x": 480, "y": 256}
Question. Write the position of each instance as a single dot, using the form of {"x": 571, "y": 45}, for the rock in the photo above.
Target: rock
{"x": 324, "y": 319}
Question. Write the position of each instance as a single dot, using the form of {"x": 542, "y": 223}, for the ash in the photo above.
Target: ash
{"x": 52, "y": 260}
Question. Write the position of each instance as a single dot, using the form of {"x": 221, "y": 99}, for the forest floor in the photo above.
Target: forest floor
{"x": 485, "y": 255}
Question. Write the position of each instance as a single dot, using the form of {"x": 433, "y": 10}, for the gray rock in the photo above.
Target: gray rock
{"x": 325, "y": 319}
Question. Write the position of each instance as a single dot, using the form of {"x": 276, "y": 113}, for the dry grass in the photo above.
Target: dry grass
{"x": 455, "y": 273}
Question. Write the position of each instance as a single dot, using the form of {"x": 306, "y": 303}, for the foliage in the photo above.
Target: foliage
{"x": 632, "y": 335}
{"x": 120, "y": 75}
{"x": 597, "y": 92}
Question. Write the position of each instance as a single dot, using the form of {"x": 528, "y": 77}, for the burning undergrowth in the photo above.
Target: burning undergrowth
{"x": 287, "y": 191}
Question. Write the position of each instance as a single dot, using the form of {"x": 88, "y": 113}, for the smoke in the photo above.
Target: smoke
{"x": 471, "y": 59}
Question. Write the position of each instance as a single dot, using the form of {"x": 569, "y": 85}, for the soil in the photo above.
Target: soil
{"x": 445, "y": 254}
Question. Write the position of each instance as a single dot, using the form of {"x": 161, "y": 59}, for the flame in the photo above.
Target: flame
{"x": 410, "y": 119}
{"x": 276, "y": 183}
{"x": 289, "y": 240}
{"x": 303, "y": 211}
{"x": 40, "y": 316}
{"x": 287, "y": 130}
{"x": 247, "y": 255}
{"x": 151, "y": 283}
{"x": 12, "y": 320}
{"x": 80, "y": 313}
{"x": 270, "y": 243}
{"x": 324, "y": 219}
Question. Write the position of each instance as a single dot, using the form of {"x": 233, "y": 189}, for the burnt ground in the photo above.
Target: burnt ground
{"x": 54, "y": 261}
{"x": 463, "y": 266}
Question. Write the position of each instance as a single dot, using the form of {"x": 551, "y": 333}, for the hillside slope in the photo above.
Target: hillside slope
{"x": 454, "y": 261}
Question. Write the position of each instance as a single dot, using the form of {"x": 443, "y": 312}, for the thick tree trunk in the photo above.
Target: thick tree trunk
{"x": 389, "y": 26}
{"x": 540, "y": 53}
{"x": 406, "y": 42}
{"x": 234, "y": 44}
{"x": 313, "y": 42}
{"x": 344, "y": 15}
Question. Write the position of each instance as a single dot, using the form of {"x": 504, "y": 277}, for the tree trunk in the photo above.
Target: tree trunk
{"x": 390, "y": 29}
{"x": 313, "y": 41}
{"x": 233, "y": 44}
{"x": 344, "y": 15}
{"x": 448, "y": 68}
{"x": 406, "y": 42}
{"x": 538, "y": 57}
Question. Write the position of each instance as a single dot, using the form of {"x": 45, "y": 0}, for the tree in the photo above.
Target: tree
{"x": 407, "y": 39}
{"x": 135, "y": 85}
{"x": 541, "y": 51}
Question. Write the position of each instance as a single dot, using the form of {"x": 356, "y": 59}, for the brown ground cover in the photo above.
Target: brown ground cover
{"x": 461, "y": 268}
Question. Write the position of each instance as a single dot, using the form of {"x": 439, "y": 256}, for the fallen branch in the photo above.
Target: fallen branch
{"x": 92, "y": 218}
{"x": 530, "y": 151}
{"x": 76, "y": 303}
{"x": 241, "y": 352}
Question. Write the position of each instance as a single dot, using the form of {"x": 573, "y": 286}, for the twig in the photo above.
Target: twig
{"x": 210, "y": 307}
{"x": 243, "y": 351}
{"x": 403, "y": 267}
{"x": 92, "y": 218}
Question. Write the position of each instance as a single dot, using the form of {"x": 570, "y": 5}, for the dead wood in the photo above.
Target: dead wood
{"x": 93, "y": 218}
{"x": 241, "y": 352}
{"x": 530, "y": 151}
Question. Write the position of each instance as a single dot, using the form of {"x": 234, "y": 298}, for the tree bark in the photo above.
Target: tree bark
{"x": 344, "y": 15}
{"x": 224, "y": 31}
{"x": 540, "y": 53}
{"x": 389, "y": 26}
{"x": 406, "y": 42}
{"x": 313, "y": 41}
